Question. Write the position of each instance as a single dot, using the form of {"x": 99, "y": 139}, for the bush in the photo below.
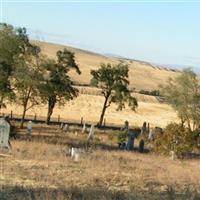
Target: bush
{"x": 196, "y": 139}
{"x": 178, "y": 139}
{"x": 122, "y": 136}
{"x": 152, "y": 93}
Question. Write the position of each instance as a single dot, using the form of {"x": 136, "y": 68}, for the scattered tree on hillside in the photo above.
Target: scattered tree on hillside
{"x": 183, "y": 93}
{"x": 27, "y": 75}
{"x": 113, "y": 80}
{"x": 58, "y": 87}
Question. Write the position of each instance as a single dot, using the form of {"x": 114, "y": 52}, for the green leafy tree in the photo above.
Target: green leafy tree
{"x": 183, "y": 93}
{"x": 9, "y": 50}
{"x": 113, "y": 80}
{"x": 27, "y": 75}
{"x": 58, "y": 87}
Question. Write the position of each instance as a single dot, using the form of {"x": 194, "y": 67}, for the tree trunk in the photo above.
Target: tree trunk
{"x": 23, "y": 114}
{"x": 1, "y": 102}
{"x": 188, "y": 123}
{"x": 25, "y": 103}
{"x": 103, "y": 111}
{"x": 51, "y": 105}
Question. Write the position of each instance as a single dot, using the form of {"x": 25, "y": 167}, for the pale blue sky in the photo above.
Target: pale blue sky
{"x": 163, "y": 33}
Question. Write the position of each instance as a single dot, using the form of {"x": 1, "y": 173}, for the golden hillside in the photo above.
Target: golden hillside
{"x": 142, "y": 75}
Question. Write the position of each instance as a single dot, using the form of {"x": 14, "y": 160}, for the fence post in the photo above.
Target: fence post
{"x": 58, "y": 118}
{"x": 35, "y": 117}
{"x": 81, "y": 120}
{"x": 104, "y": 122}
{"x": 11, "y": 114}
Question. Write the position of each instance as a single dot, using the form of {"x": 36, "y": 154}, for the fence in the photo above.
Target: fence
{"x": 57, "y": 121}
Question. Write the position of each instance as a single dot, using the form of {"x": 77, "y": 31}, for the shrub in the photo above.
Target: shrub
{"x": 152, "y": 93}
{"x": 122, "y": 135}
{"x": 176, "y": 138}
{"x": 196, "y": 139}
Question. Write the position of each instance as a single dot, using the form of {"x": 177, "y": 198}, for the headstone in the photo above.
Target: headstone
{"x": 84, "y": 128}
{"x": 141, "y": 146}
{"x": 75, "y": 154}
{"x": 130, "y": 143}
{"x": 91, "y": 133}
{"x": 4, "y": 133}
{"x": 65, "y": 129}
{"x": 61, "y": 126}
{"x": 144, "y": 129}
{"x": 173, "y": 155}
{"x": 148, "y": 128}
{"x": 29, "y": 127}
{"x": 151, "y": 135}
{"x": 126, "y": 125}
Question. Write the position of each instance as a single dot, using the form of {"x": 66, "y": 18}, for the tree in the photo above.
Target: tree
{"x": 27, "y": 75}
{"x": 9, "y": 50}
{"x": 58, "y": 87}
{"x": 183, "y": 93}
{"x": 113, "y": 80}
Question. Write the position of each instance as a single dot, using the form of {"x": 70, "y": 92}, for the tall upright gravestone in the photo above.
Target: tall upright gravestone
{"x": 4, "y": 133}
{"x": 130, "y": 143}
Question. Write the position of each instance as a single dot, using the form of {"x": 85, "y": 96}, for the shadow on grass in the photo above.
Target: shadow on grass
{"x": 71, "y": 142}
{"x": 88, "y": 193}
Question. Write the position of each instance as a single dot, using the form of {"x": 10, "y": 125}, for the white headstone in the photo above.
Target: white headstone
{"x": 61, "y": 126}
{"x": 91, "y": 133}
{"x": 150, "y": 137}
{"x": 173, "y": 155}
{"x": 29, "y": 127}
{"x": 4, "y": 133}
{"x": 84, "y": 128}
{"x": 75, "y": 154}
{"x": 65, "y": 128}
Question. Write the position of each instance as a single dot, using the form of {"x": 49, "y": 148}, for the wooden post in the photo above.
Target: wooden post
{"x": 58, "y": 118}
{"x": 104, "y": 122}
{"x": 11, "y": 114}
{"x": 35, "y": 117}
{"x": 81, "y": 120}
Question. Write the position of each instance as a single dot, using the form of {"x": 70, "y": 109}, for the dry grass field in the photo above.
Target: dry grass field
{"x": 40, "y": 168}
{"x": 142, "y": 75}
{"x": 89, "y": 107}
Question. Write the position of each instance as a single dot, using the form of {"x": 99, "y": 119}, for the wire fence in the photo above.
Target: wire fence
{"x": 58, "y": 121}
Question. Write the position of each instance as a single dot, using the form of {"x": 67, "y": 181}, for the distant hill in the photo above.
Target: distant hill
{"x": 142, "y": 75}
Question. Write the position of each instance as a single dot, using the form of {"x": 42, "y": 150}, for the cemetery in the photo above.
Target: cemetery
{"x": 74, "y": 126}
{"x": 44, "y": 158}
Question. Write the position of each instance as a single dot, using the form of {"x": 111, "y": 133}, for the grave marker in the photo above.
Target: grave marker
{"x": 84, "y": 128}
{"x": 29, "y": 127}
{"x": 91, "y": 133}
{"x": 4, "y": 133}
{"x": 130, "y": 143}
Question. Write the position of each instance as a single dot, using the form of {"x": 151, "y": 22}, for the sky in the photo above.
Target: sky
{"x": 161, "y": 32}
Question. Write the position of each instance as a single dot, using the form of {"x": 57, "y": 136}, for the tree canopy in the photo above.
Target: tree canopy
{"x": 183, "y": 93}
{"x": 9, "y": 50}
{"x": 113, "y": 80}
{"x": 58, "y": 86}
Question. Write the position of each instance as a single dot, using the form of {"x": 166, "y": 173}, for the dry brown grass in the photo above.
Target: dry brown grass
{"x": 40, "y": 168}
{"x": 141, "y": 75}
{"x": 89, "y": 107}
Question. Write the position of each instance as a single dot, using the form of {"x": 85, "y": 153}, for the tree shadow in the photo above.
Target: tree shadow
{"x": 72, "y": 142}
{"x": 88, "y": 193}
